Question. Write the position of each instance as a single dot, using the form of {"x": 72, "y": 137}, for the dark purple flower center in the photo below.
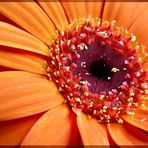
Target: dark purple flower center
{"x": 96, "y": 66}
{"x": 101, "y": 70}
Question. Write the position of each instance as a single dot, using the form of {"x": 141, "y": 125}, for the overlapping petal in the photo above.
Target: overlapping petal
{"x": 22, "y": 60}
{"x": 74, "y": 10}
{"x": 53, "y": 9}
{"x": 140, "y": 28}
{"x": 31, "y": 18}
{"x": 92, "y": 133}
{"x": 24, "y": 96}
{"x": 141, "y": 134}
{"x": 13, "y": 37}
{"x": 56, "y": 127}
{"x": 125, "y": 13}
{"x": 13, "y": 132}
{"x": 93, "y": 8}
{"x": 122, "y": 136}
{"x": 139, "y": 119}
{"x": 9, "y": 75}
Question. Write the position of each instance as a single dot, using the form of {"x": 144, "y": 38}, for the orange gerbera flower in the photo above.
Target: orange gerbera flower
{"x": 69, "y": 77}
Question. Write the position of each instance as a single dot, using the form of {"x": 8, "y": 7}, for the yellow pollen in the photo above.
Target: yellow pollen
{"x": 78, "y": 100}
{"x": 114, "y": 69}
{"x": 101, "y": 97}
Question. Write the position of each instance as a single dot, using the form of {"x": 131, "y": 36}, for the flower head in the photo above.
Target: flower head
{"x": 71, "y": 76}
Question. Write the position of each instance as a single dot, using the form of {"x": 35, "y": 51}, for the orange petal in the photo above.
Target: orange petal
{"x": 74, "y": 10}
{"x": 140, "y": 28}
{"x": 92, "y": 133}
{"x": 13, "y": 132}
{"x": 75, "y": 139}
{"x": 30, "y": 17}
{"x": 5, "y": 19}
{"x": 139, "y": 119}
{"x": 111, "y": 141}
{"x": 2, "y": 68}
{"x": 144, "y": 103}
{"x": 22, "y": 60}
{"x": 54, "y": 128}
{"x": 140, "y": 134}
{"x": 121, "y": 11}
{"x": 14, "y": 37}
{"x": 24, "y": 96}
{"x": 53, "y": 9}
{"x": 9, "y": 75}
{"x": 145, "y": 106}
{"x": 122, "y": 136}
{"x": 144, "y": 98}
{"x": 93, "y": 8}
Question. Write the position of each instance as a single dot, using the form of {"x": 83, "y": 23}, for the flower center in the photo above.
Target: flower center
{"x": 101, "y": 70}
{"x": 101, "y": 66}
{"x": 97, "y": 69}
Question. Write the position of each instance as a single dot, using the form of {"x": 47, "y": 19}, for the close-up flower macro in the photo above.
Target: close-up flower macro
{"x": 73, "y": 73}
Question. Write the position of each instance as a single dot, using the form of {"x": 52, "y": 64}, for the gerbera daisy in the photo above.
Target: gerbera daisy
{"x": 73, "y": 73}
